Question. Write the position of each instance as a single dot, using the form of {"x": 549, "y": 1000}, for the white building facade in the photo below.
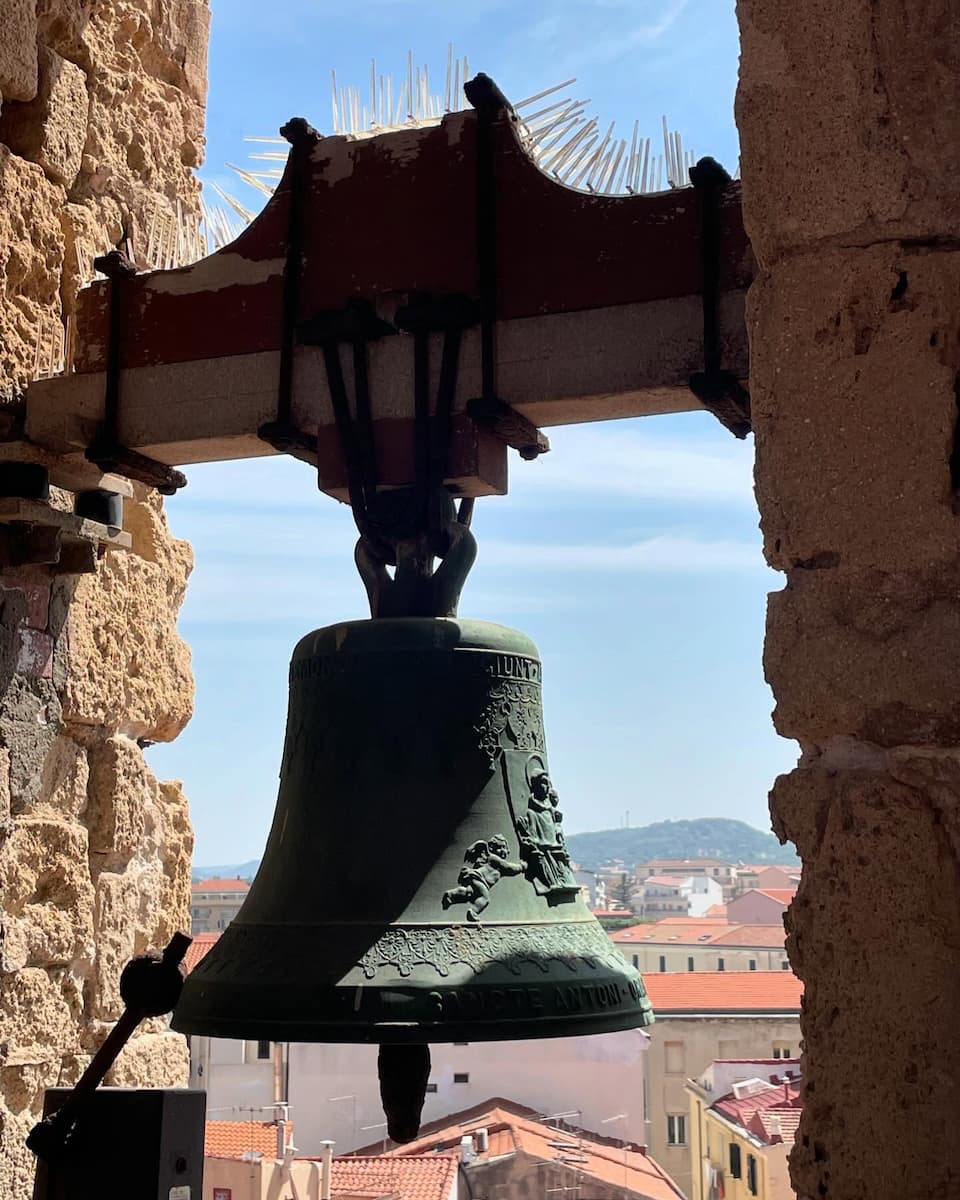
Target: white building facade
{"x": 596, "y": 1083}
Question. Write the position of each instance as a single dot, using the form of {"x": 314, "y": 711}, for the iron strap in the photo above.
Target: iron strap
{"x": 282, "y": 433}
{"x": 719, "y": 391}
{"x": 106, "y": 449}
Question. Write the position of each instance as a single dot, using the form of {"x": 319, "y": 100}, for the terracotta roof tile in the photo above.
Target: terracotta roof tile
{"x": 771, "y": 1115}
{"x": 220, "y": 885}
{"x": 233, "y": 1139}
{"x": 198, "y": 949}
{"x": 689, "y": 930}
{"x": 665, "y": 880}
{"x": 780, "y": 1124}
{"x": 512, "y": 1127}
{"x": 724, "y": 991}
{"x": 782, "y": 895}
{"x": 701, "y": 931}
{"x": 411, "y": 1177}
{"x": 751, "y": 935}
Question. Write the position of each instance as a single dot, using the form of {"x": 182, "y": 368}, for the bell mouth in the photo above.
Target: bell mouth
{"x": 414, "y": 983}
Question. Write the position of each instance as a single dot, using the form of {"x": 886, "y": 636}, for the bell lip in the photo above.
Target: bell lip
{"x": 409, "y": 1033}
{"x": 415, "y": 635}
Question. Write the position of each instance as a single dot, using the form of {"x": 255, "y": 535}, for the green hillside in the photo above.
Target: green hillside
{"x": 705, "y": 837}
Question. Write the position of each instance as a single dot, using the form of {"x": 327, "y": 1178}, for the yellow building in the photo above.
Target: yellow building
{"x": 743, "y": 1121}
{"x": 745, "y": 1016}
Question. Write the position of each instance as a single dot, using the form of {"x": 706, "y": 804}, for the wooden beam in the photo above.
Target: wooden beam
{"x": 598, "y": 304}
{"x": 601, "y": 364}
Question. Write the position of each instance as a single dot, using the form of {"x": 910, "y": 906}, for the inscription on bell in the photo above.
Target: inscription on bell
{"x": 514, "y": 666}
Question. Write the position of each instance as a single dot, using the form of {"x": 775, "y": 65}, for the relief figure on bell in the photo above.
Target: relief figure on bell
{"x": 485, "y": 863}
{"x": 542, "y": 844}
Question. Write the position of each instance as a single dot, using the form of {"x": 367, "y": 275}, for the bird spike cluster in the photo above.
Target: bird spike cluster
{"x": 556, "y": 131}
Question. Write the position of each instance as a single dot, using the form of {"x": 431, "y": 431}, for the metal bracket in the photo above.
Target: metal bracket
{"x": 282, "y": 433}
{"x": 717, "y": 390}
{"x": 510, "y": 427}
{"x": 106, "y": 449}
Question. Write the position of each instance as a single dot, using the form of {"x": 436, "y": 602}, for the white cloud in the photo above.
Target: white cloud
{"x": 664, "y": 553}
{"x": 620, "y": 460}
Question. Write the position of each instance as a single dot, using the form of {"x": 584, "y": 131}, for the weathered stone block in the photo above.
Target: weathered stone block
{"x": 29, "y": 727}
{"x": 35, "y": 599}
{"x": 868, "y": 655}
{"x": 174, "y": 836}
{"x": 36, "y": 1021}
{"x": 46, "y": 896}
{"x": 51, "y": 128}
{"x": 854, "y": 360}
{"x": 18, "y": 50}
{"x": 17, "y": 1164}
{"x": 874, "y": 100}
{"x": 35, "y": 656}
{"x": 129, "y": 670}
{"x": 121, "y": 786}
{"x": 128, "y": 917}
{"x": 60, "y": 25}
{"x": 152, "y": 1060}
{"x": 115, "y": 916}
{"x": 21, "y": 1086}
{"x": 181, "y": 32}
{"x": 31, "y": 258}
{"x": 878, "y": 948}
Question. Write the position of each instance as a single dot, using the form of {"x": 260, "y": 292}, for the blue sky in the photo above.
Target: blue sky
{"x": 630, "y": 553}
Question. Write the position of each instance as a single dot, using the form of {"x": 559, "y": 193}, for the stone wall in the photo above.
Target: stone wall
{"x": 100, "y": 125}
{"x": 848, "y": 114}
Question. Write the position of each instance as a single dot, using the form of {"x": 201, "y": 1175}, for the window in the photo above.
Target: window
{"x": 674, "y": 1058}
{"x": 751, "y": 1175}
{"x": 716, "y": 870}
{"x": 781, "y": 1050}
{"x": 720, "y": 965}
{"x": 690, "y": 964}
{"x": 677, "y": 1130}
{"x": 753, "y": 964}
{"x": 636, "y": 962}
{"x": 431, "y": 1087}
{"x": 784, "y": 966}
{"x": 461, "y": 1077}
{"x": 736, "y": 1165}
{"x": 663, "y": 962}
{"x": 263, "y": 1050}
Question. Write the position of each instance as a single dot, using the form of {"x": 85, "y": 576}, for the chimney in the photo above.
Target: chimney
{"x": 326, "y": 1171}
{"x": 466, "y": 1149}
{"x": 281, "y": 1137}
{"x": 482, "y": 1137}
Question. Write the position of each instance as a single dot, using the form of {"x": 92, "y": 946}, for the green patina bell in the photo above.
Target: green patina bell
{"x": 416, "y": 886}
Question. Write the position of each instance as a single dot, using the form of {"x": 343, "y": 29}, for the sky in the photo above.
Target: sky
{"x": 630, "y": 553}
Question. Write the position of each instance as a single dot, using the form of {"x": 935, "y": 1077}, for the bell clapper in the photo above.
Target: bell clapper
{"x": 404, "y": 1072}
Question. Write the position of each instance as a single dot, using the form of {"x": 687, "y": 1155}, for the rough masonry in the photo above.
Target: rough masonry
{"x": 851, "y": 186}
{"x": 100, "y": 124}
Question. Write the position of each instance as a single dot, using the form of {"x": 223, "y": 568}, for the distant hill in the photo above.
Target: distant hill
{"x": 245, "y": 870}
{"x": 704, "y": 837}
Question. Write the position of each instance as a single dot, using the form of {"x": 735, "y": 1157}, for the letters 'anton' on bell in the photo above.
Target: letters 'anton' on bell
{"x": 416, "y": 886}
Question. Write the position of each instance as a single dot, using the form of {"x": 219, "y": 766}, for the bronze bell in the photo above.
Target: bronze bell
{"x": 416, "y": 886}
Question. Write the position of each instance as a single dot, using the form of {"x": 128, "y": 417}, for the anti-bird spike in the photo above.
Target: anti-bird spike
{"x": 552, "y": 127}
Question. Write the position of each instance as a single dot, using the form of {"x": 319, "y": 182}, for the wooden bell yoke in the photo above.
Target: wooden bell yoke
{"x": 432, "y": 268}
